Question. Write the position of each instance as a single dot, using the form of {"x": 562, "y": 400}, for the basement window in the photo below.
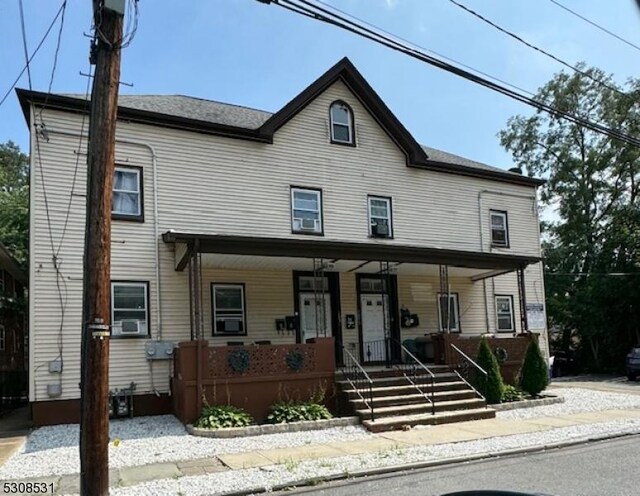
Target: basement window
{"x": 504, "y": 313}
{"x": 127, "y": 194}
{"x": 129, "y": 309}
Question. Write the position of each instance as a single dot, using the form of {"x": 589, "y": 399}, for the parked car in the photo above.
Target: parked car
{"x": 633, "y": 363}
{"x": 564, "y": 363}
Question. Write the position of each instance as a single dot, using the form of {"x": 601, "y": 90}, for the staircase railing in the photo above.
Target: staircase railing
{"x": 358, "y": 379}
{"x": 413, "y": 370}
{"x": 464, "y": 368}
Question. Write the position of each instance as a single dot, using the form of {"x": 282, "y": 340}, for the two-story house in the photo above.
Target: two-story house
{"x": 239, "y": 226}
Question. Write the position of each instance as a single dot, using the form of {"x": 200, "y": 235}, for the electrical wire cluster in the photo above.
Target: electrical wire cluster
{"x": 129, "y": 31}
{"x": 331, "y": 16}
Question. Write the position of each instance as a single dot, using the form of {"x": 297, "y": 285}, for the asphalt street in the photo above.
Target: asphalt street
{"x": 605, "y": 468}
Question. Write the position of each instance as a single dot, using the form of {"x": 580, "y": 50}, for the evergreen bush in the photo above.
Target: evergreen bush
{"x": 534, "y": 376}
{"x": 491, "y": 386}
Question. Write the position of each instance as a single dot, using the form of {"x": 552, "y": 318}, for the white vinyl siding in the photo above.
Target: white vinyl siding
{"x": 201, "y": 195}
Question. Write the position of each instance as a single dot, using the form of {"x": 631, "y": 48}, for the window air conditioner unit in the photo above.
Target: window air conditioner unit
{"x": 308, "y": 224}
{"x": 380, "y": 230}
{"x": 130, "y": 326}
{"x": 229, "y": 325}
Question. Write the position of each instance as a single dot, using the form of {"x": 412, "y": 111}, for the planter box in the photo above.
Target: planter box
{"x": 257, "y": 430}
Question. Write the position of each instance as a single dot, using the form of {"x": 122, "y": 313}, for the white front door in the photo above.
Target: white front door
{"x": 373, "y": 308}
{"x": 313, "y": 324}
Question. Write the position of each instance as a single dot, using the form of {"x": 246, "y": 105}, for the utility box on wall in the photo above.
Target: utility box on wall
{"x": 159, "y": 350}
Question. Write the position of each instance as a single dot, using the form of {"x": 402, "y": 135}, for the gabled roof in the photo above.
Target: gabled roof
{"x": 11, "y": 265}
{"x": 206, "y": 116}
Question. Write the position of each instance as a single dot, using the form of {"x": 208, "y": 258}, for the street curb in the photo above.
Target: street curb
{"x": 313, "y": 481}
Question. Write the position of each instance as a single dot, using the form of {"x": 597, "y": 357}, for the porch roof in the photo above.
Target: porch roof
{"x": 340, "y": 250}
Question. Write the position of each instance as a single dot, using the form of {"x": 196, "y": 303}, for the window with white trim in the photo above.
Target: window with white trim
{"x": 229, "y": 309}
{"x": 499, "y": 228}
{"x": 129, "y": 309}
{"x": 504, "y": 313}
{"x": 341, "y": 123}
{"x": 3, "y": 337}
{"x": 449, "y": 318}
{"x": 380, "y": 224}
{"x": 127, "y": 194}
{"x": 306, "y": 211}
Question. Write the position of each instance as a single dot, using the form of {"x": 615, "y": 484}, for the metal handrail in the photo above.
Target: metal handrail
{"x": 464, "y": 355}
{"x": 355, "y": 387}
{"x": 416, "y": 361}
{"x": 468, "y": 359}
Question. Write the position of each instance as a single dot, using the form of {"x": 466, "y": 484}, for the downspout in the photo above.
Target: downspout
{"x": 156, "y": 223}
{"x": 480, "y": 226}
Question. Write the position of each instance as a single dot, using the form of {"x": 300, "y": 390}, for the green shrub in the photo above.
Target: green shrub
{"x": 534, "y": 376}
{"x": 218, "y": 416}
{"x": 296, "y": 411}
{"x": 491, "y": 385}
{"x": 512, "y": 393}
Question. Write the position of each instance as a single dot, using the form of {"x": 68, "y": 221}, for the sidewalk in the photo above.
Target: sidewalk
{"x": 379, "y": 443}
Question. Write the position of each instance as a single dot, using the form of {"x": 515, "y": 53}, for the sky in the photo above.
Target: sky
{"x": 247, "y": 53}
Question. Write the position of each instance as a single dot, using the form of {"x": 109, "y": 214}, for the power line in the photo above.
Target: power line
{"x": 437, "y": 54}
{"x": 316, "y": 12}
{"x": 46, "y": 34}
{"x": 534, "y": 47}
{"x": 596, "y": 25}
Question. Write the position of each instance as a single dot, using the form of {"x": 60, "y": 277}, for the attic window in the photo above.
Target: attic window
{"x": 341, "y": 123}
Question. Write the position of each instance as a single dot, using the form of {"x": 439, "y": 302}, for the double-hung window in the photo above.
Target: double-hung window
{"x": 306, "y": 211}
{"x": 499, "y": 228}
{"x": 229, "y": 309}
{"x": 449, "y": 314}
{"x": 380, "y": 225}
{"x": 504, "y": 313}
{"x": 127, "y": 194}
{"x": 130, "y": 309}
{"x": 341, "y": 123}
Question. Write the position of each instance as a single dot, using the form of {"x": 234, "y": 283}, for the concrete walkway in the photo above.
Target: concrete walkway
{"x": 378, "y": 443}
{"x": 598, "y": 382}
{"x": 14, "y": 429}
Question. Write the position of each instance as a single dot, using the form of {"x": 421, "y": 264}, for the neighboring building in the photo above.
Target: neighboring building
{"x": 13, "y": 329}
{"x": 244, "y": 226}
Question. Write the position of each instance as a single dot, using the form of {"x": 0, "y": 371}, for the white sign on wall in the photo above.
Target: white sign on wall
{"x": 535, "y": 316}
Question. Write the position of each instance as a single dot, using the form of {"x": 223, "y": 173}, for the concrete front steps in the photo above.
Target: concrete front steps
{"x": 398, "y": 404}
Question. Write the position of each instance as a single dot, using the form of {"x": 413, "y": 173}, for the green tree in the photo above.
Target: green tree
{"x": 593, "y": 190}
{"x": 14, "y": 200}
{"x": 491, "y": 385}
{"x": 534, "y": 376}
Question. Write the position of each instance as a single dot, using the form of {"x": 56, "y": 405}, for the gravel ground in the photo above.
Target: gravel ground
{"x": 576, "y": 401}
{"x": 54, "y": 450}
{"x": 269, "y": 477}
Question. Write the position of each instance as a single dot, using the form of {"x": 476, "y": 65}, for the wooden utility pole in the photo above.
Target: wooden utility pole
{"x": 96, "y": 301}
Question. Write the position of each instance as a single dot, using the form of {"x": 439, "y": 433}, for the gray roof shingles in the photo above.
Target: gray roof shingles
{"x": 247, "y": 118}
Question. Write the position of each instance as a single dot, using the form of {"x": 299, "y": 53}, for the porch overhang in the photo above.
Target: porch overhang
{"x": 188, "y": 243}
